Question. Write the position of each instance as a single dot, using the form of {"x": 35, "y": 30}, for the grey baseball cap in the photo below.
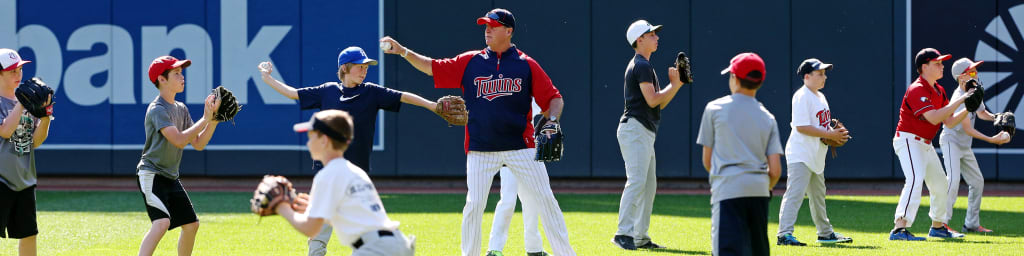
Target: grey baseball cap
{"x": 962, "y": 65}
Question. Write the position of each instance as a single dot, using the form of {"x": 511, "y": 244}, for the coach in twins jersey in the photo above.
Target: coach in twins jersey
{"x": 498, "y": 84}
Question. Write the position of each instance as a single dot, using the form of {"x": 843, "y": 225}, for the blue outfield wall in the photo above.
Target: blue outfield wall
{"x": 95, "y": 55}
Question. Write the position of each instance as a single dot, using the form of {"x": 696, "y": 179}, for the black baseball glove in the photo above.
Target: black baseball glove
{"x": 228, "y": 104}
{"x": 36, "y": 97}
{"x": 972, "y": 103}
{"x": 683, "y": 64}
{"x": 548, "y": 137}
{"x": 1005, "y": 121}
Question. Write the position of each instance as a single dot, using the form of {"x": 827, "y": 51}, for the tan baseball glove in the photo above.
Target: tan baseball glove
{"x": 271, "y": 191}
{"x": 833, "y": 144}
{"x": 453, "y": 110}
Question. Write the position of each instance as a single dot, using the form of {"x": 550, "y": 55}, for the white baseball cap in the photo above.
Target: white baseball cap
{"x": 962, "y": 65}
{"x": 10, "y": 60}
{"x": 638, "y": 29}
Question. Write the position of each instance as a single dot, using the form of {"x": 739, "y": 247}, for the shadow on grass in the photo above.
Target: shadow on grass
{"x": 851, "y": 246}
{"x": 677, "y": 251}
{"x": 844, "y": 213}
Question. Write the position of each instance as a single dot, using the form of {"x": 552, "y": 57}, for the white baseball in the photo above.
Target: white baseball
{"x": 1003, "y": 136}
{"x": 385, "y": 46}
{"x": 265, "y": 66}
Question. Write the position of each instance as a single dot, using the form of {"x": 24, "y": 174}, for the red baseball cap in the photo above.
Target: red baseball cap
{"x": 10, "y": 60}
{"x": 743, "y": 64}
{"x": 164, "y": 63}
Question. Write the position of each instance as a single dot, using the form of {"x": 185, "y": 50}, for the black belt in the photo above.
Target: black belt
{"x": 359, "y": 243}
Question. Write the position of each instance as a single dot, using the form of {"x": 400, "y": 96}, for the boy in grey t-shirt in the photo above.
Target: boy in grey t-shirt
{"x": 169, "y": 128}
{"x": 20, "y": 134}
{"x": 742, "y": 156}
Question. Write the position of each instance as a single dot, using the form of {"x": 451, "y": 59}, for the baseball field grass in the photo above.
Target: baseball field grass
{"x": 113, "y": 223}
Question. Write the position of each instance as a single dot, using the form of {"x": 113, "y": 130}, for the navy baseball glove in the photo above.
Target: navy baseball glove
{"x": 549, "y": 138}
{"x": 972, "y": 103}
{"x": 36, "y": 97}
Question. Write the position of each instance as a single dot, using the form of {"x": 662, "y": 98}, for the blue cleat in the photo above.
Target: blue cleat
{"x": 789, "y": 239}
{"x": 904, "y": 235}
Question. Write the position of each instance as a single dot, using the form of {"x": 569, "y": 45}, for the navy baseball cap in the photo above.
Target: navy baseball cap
{"x": 811, "y": 65}
{"x": 354, "y": 54}
{"x": 498, "y": 17}
{"x": 929, "y": 54}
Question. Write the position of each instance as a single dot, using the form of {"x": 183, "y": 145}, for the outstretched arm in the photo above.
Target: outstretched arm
{"x": 265, "y": 70}
{"x": 411, "y": 98}
{"x": 420, "y": 62}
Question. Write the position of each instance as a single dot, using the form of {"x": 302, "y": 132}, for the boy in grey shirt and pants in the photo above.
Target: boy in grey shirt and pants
{"x": 169, "y": 128}
{"x": 742, "y": 156}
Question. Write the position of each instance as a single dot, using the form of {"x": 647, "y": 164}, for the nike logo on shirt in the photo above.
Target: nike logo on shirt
{"x": 343, "y": 98}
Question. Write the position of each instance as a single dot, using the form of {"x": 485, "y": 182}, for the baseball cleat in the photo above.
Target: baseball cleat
{"x": 942, "y": 232}
{"x": 624, "y": 242}
{"x": 834, "y": 238}
{"x": 979, "y": 229}
{"x": 495, "y": 253}
{"x": 650, "y": 245}
{"x": 537, "y": 254}
{"x": 789, "y": 239}
{"x": 904, "y": 234}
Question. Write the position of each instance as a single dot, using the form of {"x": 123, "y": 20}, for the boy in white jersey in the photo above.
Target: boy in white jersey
{"x": 958, "y": 157}
{"x": 343, "y": 194}
{"x": 805, "y": 156}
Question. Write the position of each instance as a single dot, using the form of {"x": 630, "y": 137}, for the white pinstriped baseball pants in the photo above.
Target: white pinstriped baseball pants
{"x": 503, "y": 217}
{"x": 920, "y": 164}
{"x": 532, "y": 176}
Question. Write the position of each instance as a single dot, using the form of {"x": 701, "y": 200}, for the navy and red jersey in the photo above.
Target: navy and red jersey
{"x": 920, "y": 98}
{"x": 498, "y": 89}
{"x": 362, "y": 103}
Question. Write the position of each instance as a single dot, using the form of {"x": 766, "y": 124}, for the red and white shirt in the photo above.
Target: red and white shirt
{"x": 921, "y": 97}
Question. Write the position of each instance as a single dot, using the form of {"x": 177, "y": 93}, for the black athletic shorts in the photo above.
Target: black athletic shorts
{"x": 18, "y": 212}
{"x": 166, "y": 198}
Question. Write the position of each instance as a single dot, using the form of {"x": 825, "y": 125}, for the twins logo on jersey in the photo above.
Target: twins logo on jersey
{"x": 491, "y": 89}
{"x": 824, "y": 117}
